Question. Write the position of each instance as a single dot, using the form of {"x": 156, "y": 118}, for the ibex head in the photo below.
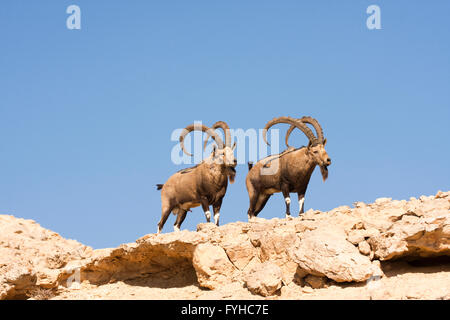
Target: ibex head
{"x": 316, "y": 146}
{"x": 321, "y": 158}
{"x": 223, "y": 153}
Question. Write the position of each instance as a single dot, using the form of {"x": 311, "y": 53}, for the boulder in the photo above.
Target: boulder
{"x": 264, "y": 279}
{"x": 212, "y": 266}
{"x": 326, "y": 252}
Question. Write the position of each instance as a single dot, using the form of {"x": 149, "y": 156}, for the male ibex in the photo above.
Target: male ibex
{"x": 289, "y": 171}
{"x": 204, "y": 184}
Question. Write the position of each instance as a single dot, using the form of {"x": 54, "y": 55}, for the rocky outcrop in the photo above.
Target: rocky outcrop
{"x": 212, "y": 266}
{"x": 325, "y": 252}
{"x": 266, "y": 257}
{"x": 31, "y": 256}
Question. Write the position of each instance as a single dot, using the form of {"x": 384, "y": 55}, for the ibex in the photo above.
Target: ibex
{"x": 289, "y": 171}
{"x": 204, "y": 184}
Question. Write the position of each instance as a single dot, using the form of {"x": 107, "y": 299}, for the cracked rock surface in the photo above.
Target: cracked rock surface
{"x": 347, "y": 252}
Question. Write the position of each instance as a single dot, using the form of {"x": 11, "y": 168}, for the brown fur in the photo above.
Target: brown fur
{"x": 204, "y": 184}
{"x": 295, "y": 167}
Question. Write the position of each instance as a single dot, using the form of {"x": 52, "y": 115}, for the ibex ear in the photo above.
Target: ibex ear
{"x": 214, "y": 150}
{"x": 324, "y": 142}
{"x": 234, "y": 146}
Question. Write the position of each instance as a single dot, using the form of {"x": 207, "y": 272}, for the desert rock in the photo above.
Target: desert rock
{"x": 212, "y": 266}
{"x": 265, "y": 279}
{"x": 299, "y": 255}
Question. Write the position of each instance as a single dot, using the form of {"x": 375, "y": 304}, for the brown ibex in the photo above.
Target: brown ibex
{"x": 289, "y": 171}
{"x": 204, "y": 184}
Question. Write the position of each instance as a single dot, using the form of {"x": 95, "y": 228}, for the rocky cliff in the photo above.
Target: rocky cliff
{"x": 387, "y": 249}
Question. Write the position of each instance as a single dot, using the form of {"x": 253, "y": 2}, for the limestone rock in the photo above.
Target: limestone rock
{"x": 265, "y": 279}
{"x": 31, "y": 255}
{"x": 422, "y": 229}
{"x": 276, "y": 247}
{"x": 364, "y": 248}
{"x": 236, "y": 243}
{"x": 356, "y": 236}
{"x": 344, "y": 245}
{"x": 212, "y": 266}
{"x": 326, "y": 253}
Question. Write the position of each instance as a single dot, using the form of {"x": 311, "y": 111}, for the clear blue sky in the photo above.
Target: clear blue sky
{"x": 86, "y": 115}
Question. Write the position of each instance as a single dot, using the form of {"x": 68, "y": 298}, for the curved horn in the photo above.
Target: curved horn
{"x": 311, "y": 121}
{"x": 293, "y": 122}
{"x": 200, "y": 127}
{"x": 288, "y": 134}
{"x": 316, "y": 126}
{"x": 226, "y": 130}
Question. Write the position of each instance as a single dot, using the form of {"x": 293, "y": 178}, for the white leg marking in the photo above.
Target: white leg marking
{"x": 216, "y": 218}
{"x": 208, "y": 215}
{"x": 176, "y": 229}
{"x": 300, "y": 203}
{"x": 287, "y": 200}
